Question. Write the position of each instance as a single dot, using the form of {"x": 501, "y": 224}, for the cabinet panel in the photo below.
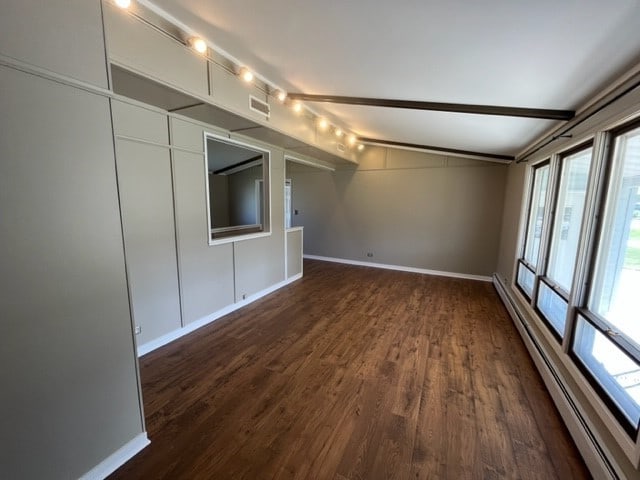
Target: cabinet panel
{"x": 230, "y": 93}
{"x": 187, "y": 135}
{"x": 63, "y": 37}
{"x": 138, "y": 46}
{"x": 294, "y": 252}
{"x": 69, "y": 389}
{"x": 138, "y": 122}
{"x": 300, "y": 126}
{"x": 206, "y": 271}
{"x": 144, "y": 180}
{"x": 259, "y": 262}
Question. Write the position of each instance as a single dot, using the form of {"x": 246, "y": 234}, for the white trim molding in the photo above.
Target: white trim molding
{"x": 117, "y": 458}
{"x": 400, "y": 268}
{"x": 191, "y": 327}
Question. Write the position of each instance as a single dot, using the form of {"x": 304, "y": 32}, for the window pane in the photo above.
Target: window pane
{"x": 616, "y": 290}
{"x": 616, "y": 373}
{"x": 525, "y": 279}
{"x": 553, "y": 306}
{"x": 536, "y": 214}
{"x": 568, "y": 218}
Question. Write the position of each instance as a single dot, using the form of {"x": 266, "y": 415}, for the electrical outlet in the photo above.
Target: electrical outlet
{"x": 138, "y": 330}
{"x": 369, "y": 254}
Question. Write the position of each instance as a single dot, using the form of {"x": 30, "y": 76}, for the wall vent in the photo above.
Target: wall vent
{"x": 341, "y": 148}
{"x": 258, "y": 106}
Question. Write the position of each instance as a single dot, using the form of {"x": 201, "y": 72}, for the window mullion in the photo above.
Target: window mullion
{"x": 547, "y": 224}
{"x": 588, "y": 235}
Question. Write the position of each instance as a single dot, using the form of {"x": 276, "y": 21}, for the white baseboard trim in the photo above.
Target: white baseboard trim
{"x": 117, "y": 458}
{"x": 399, "y": 268}
{"x": 201, "y": 322}
{"x": 600, "y": 466}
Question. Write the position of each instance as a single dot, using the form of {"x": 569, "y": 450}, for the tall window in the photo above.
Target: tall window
{"x": 527, "y": 265}
{"x": 555, "y": 286}
{"x": 607, "y": 339}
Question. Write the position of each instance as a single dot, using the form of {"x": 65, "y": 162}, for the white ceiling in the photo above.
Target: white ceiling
{"x": 519, "y": 53}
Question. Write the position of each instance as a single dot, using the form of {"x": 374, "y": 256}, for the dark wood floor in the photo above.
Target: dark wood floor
{"x": 353, "y": 373}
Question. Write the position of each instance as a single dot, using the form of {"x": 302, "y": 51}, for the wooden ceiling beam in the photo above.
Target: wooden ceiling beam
{"x": 538, "y": 113}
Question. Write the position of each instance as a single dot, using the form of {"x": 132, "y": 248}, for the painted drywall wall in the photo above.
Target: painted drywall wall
{"x": 67, "y": 362}
{"x": 405, "y": 208}
{"x": 513, "y": 198}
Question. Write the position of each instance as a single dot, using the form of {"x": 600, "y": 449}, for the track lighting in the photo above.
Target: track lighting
{"x": 198, "y": 44}
{"x": 297, "y": 107}
{"x": 124, "y": 4}
{"x": 352, "y": 139}
{"x": 323, "y": 124}
{"x": 281, "y": 95}
{"x": 360, "y": 147}
{"x": 339, "y": 132}
{"x": 246, "y": 74}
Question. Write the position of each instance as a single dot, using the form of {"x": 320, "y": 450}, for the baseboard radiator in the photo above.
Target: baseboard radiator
{"x": 597, "y": 460}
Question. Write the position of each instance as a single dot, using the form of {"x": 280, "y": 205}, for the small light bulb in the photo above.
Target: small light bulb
{"x": 281, "y": 96}
{"x": 246, "y": 74}
{"x": 297, "y": 107}
{"x": 352, "y": 139}
{"x": 123, "y": 3}
{"x": 339, "y": 132}
{"x": 199, "y": 45}
{"x": 323, "y": 124}
{"x": 360, "y": 147}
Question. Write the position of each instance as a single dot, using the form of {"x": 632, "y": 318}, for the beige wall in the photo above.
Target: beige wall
{"x": 513, "y": 197}
{"x": 406, "y": 208}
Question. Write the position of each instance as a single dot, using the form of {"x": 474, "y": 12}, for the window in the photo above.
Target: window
{"x": 616, "y": 375}
{"x": 581, "y": 274}
{"x": 237, "y": 189}
{"x": 527, "y": 265}
{"x": 536, "y": 215}
{"x": 607, "y": 339}
{"x": 555, "y": 286}
{"x": 616, "y": 290}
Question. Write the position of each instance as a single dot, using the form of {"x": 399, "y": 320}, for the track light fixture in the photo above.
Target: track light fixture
{"x": 198, "y": 44}
{"x": 246, "y": 74}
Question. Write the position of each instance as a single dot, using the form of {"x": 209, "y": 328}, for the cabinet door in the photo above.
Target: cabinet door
{"x": 146, "y": 198}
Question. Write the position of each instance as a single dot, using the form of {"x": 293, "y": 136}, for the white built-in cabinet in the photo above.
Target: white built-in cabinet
{"x": 138, "y": 47}
{"x": 176, "y": 278}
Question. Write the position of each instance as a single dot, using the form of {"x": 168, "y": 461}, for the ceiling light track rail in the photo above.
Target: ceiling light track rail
{"x": 431, "y": 148}
{"x": 538, "y": 113}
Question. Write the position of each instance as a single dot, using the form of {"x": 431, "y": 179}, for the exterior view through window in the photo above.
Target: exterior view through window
{"x": 614, "y": 300}
{"x": 553, "y": 295}
{"x": 526, "y": 267}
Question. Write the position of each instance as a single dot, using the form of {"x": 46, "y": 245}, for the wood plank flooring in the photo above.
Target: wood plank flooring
{"x": 353, "y": 373}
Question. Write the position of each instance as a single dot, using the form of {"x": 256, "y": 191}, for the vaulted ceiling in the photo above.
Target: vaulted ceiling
{"x": 517, "y": 53}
